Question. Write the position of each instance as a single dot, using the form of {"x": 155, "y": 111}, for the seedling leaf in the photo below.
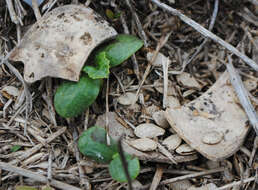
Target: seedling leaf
{"x": 25, "y": 188}
{"x": 102, "y": 68}
{"x": 15, "y": 148}
{"x": 116, "y": 169}
{"x": 72, "y": 98}
{"x": 92, "y": 143}
{"x": 122, "y": 48}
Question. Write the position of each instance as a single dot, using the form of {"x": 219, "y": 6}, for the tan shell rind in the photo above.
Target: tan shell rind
{"x": 216, "y": 111}
{"x": 60, "y": 42}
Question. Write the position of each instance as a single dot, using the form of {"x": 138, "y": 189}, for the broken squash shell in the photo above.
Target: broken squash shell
{"x": 60, "y": 42}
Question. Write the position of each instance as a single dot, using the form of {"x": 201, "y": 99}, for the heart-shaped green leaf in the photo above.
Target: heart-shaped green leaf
{"x": 116, "y": 169}
{"x": 92, "y": 143}
{"x": 101, "y": 70}
{"x": 72, "y": 98}
{"x": 122, "y": 48}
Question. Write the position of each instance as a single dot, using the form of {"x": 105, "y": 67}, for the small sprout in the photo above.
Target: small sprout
{"x": 122, "y": 48}
{"x": 102, "y": 68}
{"x": 116, "y": 169}
{"x": 15, "y": 148}
{"x": 25, "y": 188}
{"x": 92, "y": 143}
{"x": 73, "y": 98}
{"x": 110, "y": 14}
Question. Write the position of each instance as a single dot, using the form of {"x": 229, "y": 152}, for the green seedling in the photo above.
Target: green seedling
{"x": 15, "y": 148}
{"x": 92, "y": 143}
{"x": 116, "y": 169}
{"x": 123, "y": 47}
{"x": 73, "y": 98}
{"x": 101, "y": 70}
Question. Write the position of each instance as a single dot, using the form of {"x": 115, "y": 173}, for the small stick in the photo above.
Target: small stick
{"x": 138, "y": 23}
{"x": 255, "y": 2}
{"x": 165, "y": 65}
{"x": 237, "y": 183}
{"x": 180, "y": 178}
{"x": 27, "y": 92}
{"x": 49, "y": 100}
{"x": 161, "y": 43}
{"x": 164, "y": 151}
{"x": 107, "y": 111}
{"x": 207, "y": 33}
{"x": 36, "y": 176}
{"x": 37, "y": 147}
{"x": 11, "y": 11}
{"x": 133, "y": 57}
{"x": 157, "y": 177}
{"x": 253, "y": 151}
{"x": 84, "y": 182}
{"x": 36, "y": 10}
{"x": 49, "y": 168}
{"x": 124, "y": 163}
{"x": 213, "y": 19}
{"x": 242, "y": 95}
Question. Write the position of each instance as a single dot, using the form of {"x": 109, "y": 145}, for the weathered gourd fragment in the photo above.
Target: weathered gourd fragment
{"x": 60, "y": 42}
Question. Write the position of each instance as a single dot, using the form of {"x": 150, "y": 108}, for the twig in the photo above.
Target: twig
{"x": 36, "y": 176}
{"x": 165, "y": 81}
{"x": 49, "y": 168}
{"x": 213, "y": 19}
{"x": 12, "y": 11}
{"x": 27, "y": 92}
{"x": 253, "y": 151}
{"x": 242, "y": 95}
{"x": 255, "y": 2}
{"x": 37, "y": 147}
{"x": 156, "y": 178}
{"x": 208, "y": 172}
{"x": 165, "y": 152}
{"x": 84, "y": 182}
{"x": 106, "y": 115}
{"x": 161, "y": 43}
{"x": 207, "y": 33}
{"x": 133, "y": 57}
{"x": 138, "y": 23}
{"x": 124, "y": 163}
{"x": 36, "y": 10}
{"x": 236, "y": 183}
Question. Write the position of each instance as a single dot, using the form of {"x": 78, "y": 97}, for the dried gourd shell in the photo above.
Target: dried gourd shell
{"x": 60, "y": 42}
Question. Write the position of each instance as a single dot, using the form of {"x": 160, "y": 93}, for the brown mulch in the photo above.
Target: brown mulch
{"x": 49, "y": 148}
